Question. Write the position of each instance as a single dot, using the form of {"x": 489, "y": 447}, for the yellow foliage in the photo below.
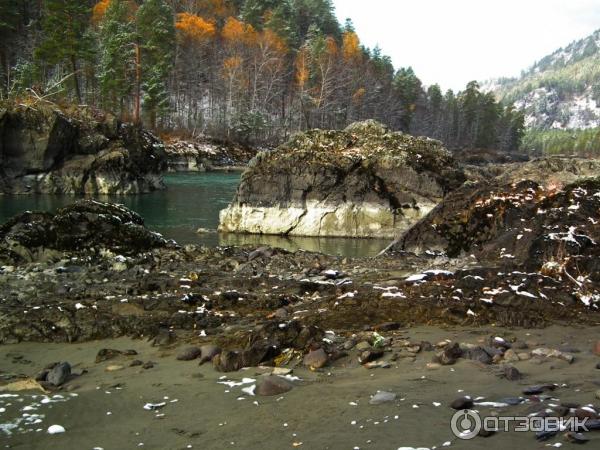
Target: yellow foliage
{"x": 235, "y": 31}
{"x": 195, "y": 27}
{"x": 350, "y": 45}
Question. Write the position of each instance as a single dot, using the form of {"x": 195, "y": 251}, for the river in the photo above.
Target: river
{"x": 192, "y": 201}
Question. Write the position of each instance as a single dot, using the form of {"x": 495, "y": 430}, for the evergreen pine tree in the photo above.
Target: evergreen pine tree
{"x": 117, "y": 55}
{"x": 64, "y": 25}
{"x": 156, "y": 33}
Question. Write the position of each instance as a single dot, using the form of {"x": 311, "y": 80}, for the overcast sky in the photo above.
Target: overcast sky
{"x": 452, "y": 42}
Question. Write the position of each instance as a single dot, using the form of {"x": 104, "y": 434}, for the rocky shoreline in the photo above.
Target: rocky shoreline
{"x": 45, "y": 149}
{"x": 458, "y": 295}
{"x": 205, "y": 155}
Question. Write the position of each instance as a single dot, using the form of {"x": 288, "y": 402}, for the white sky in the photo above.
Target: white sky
{"x": 452, "y": 42}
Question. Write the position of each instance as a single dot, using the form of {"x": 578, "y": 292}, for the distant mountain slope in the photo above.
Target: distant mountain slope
{"x": 561, "y": 91}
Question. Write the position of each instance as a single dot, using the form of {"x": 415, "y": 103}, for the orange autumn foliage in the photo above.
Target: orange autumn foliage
{"x": 269, "y": 39}
{"x": 350, "y": 45}
{"x": 302, "y": 67}
{"x": 331, "y": 45}
{"x": 230, "y": 65}
{"x": 235, "y": 31}
{"x": 194, "y": 27}
{"x": 99, "y": 11}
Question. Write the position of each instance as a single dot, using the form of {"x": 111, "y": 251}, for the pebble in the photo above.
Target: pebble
{"x": 59, "y": 374}
{"x": 56, "y": 429}
{"x": 189, "y": 354}
{"x": 209, "y": 351}
{"x": 382, "y": 397}
{"x": 462, "y": 403}
{"x": 316, "y": 359}
{"x": 538, "y": 389}
{"x": 114, "y": 368}
{"x": 511, "y": 373}
{"x": 511, "y": 356}
{"x": 273, "y": 385}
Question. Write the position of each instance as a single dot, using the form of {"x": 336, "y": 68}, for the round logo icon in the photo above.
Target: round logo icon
{"x": 466, "y": 424}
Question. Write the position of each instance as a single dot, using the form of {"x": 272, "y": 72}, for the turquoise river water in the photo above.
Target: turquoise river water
{"x": 192, "y": 201}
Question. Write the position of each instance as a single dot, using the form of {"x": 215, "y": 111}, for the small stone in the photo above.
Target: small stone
{"x": 511, "y": 356}
{"x": 136, "y": 362}
{"x": 273, "y": 385}
{"x": 377, "y": 365}
{"x": 433, "y": 366}
{"x": 316, "y": 359}
{"x": 478, "y": 354}
{"x": 462, "y": 403}
{"x": 362, "y": 346}
{"x": 524, "y": 356}
{"x": 598, "y": 366}
{"x": 449, "y": 355}
{"x": 596, "y": 349}
{"x": 209, "y": 351}
{"x": 114, "y": 368}
{"x": 148, "y": 365}
{"x": 189, "y": 354}
{"x": 349, "y": 344}
{"x": 576, "y": 438}
{"x": 107, "y": 353}
{"x": 539, "y": 389}
{"x": 59, "y": 374}
{"x": 370, "y": 355}
{"x": 585, "y": 413}
{"x": 281, "y": 371}
{"x": 382, "y": 397}
{"x": 56, "y": 429}
{"x": 511, "y": 373}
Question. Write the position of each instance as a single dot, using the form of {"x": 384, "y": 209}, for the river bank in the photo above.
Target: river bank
{"x": 327, "y": 409}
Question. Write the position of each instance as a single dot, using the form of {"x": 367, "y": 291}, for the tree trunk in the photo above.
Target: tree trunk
{"x": 76, "y": 79}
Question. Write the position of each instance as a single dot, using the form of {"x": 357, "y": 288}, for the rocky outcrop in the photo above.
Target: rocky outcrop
{"x": 205, "y": 156}
{"x": 364, "y": 181}
{"x": 552, "y": 171}
{"x": 82, "y": 226}
{"x": 522, "y": 224}
{"x": 44, "y": 149}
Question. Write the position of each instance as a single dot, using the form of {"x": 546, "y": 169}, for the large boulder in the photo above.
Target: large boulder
{"x": 44, "y": 149}
{"x": 364, "y": 181}
{"x": 81, "y": 226}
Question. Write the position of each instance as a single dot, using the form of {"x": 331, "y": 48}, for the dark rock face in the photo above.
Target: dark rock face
{"x": 364, "y": 181}
{"x": 519, "y": 224}
{"x": 46, "y": 150}
{"x": 80, "y": 226}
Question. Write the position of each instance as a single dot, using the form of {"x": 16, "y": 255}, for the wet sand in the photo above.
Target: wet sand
{"x": 328, "y": 409}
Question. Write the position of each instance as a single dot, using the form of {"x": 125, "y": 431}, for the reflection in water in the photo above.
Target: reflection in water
{"x": 330, "y": 246}
{"x": 192, "y": 201}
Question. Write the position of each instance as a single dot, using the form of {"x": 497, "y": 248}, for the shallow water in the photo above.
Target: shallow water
{"x": 192, "y": 201}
